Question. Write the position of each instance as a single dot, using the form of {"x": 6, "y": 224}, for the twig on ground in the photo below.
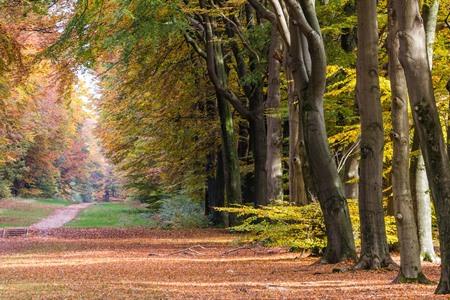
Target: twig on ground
{"x": 187, "y": 251}
{"x": 238, "y": 249}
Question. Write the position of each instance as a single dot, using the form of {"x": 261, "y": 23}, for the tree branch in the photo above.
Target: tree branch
{"x": 194, "y": 45}
{"x": 211, "y": 67}
{"x": 282, "y": 21}
{"x": 263, "y": 11}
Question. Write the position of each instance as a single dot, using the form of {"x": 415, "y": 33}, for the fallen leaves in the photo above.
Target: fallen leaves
{"x": 194, "y": 264}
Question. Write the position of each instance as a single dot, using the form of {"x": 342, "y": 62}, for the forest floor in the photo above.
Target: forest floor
{"x": 69, "y": 263}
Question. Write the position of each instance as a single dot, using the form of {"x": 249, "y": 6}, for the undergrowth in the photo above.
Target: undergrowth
{"x": 296, "y": 227}
{"x": 179, "y": 211}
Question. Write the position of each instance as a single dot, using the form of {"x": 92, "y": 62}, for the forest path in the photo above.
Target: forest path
{"x": 60, "y": 217}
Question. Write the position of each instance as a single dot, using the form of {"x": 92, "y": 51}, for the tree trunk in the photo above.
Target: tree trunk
{"x": 297, "y": 191}
{"x": 254, "y": 115}
{"x": 414, "y": 60}
{"x": 274, "y": 166}
{"x": 448, "y": 118}
{"x": 259, "y": 147}
{"x": 229, "y": 151}
{"x": 423, "y": 203}
{"x": 430, "y": 13}
{"x": 210, "y": 191}
{"x": 311, "y": 86}
{"x": 410, "y": 266}
{"x": 218, "y": 74}
{"x": 374, "y": 248}
{"x": 215, "y": 195}
{"x": 351, "y": 176}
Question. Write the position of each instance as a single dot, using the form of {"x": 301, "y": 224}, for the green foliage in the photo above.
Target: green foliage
{"x": 300, "y": 228}
{"x": 180, "y": 212}
{"x": 5, "y": 189}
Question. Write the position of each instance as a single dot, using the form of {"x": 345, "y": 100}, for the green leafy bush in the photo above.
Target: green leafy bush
{"x": 300, "y": 228}
{"x": 5, "y": 189}
{"x": 180, "y": 212}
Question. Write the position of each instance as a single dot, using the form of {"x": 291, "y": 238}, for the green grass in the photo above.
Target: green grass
{"x": 51, "y": 201}
{"x": 112, "y": 215}
{"x": 18, "y": 212}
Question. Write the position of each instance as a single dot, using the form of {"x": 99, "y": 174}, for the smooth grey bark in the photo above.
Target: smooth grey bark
{"x": 274, "y": 166}
{"x": 374, "y": 247}
{"x": 414, "y": 60}
{"x": 410, "y": 266}
{"x": 351, "y": 176}
{"x": 423, "y": 202}
{"x": 430, "y": 12}
{"x": 297, "y": 189}
{"x": 309, "y": 73}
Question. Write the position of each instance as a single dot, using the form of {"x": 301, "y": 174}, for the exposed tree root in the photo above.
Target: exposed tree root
{"x": 443, "y": 287}
{"x": 430, "y": 257}
{"x": 331, "y": 257}
{"x": 375, "y": 263}
{"x": 421, "y": 279}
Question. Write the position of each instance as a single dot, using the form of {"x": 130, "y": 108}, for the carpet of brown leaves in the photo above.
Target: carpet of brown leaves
{"x": 198, "y": 264}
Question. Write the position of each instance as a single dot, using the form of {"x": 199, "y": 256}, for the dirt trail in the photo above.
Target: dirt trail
{"x": 60, "y": 217}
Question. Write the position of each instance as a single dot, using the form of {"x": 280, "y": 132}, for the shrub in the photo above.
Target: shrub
{"x": 181, "y": 212}
{"x": 5, "y": 189}
{"x": 297, "y": 227}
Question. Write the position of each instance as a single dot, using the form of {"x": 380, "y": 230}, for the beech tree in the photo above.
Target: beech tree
{"x": 423, "y": 199}
{"x": 300, "y": 30}
{"x": 414, "y": 60}
{"x": 410, "y": 266}
{"x": 274, "y": 166}
{"x": 374, "y": 248}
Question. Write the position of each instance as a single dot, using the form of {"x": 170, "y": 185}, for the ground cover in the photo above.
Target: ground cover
{"x": 114, "y": 214}
{"x": 140, "y": 263}
{"x": 18, "y": 212}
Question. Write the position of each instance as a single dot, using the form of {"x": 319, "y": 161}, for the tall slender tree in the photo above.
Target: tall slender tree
{"x": 274, "y": 166}
{"x": 374, "y": 248}
{"x": 423, "y": 199}
{"x": 410, "y": 266}
{"x": 414, "y": 60}
{"x": 306, "y": 48}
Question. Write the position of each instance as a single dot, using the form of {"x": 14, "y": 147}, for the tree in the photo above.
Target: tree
{"x": 410, "y": 266}
{"x": 423, "y": 199}
{"x": 374, "y": 249}
{"x": 274, "y": 166}
{"x": 306, "y": 48}
{"x": 414, "y": 60}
